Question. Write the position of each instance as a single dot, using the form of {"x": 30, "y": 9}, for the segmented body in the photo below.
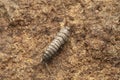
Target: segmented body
{"x": 54, "y": 46}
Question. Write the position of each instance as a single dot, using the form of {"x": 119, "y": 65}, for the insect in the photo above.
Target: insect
{"x": 54, "y": 46}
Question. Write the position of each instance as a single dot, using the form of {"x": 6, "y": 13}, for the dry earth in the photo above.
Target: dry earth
{"x": 28, "y": 26}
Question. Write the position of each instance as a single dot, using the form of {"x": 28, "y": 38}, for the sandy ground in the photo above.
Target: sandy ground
{"x": 91, "y": 53}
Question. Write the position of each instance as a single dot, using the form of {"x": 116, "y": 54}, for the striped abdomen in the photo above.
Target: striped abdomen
{"x": 54, "y": 46}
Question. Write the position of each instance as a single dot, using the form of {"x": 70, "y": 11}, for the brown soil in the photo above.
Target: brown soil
{"x": 28, "y": 26}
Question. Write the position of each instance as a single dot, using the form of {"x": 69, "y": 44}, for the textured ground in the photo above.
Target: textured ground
{"x": 28, "y": 26}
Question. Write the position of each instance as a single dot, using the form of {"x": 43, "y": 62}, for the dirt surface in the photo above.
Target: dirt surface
{"x": 28, "y": 26}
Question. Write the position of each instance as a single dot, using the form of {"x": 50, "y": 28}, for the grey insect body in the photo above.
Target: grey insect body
{"x": 54, "y": 46}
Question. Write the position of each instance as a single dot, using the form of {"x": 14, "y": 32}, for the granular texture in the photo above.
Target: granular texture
{"x": 91, "y": 53}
